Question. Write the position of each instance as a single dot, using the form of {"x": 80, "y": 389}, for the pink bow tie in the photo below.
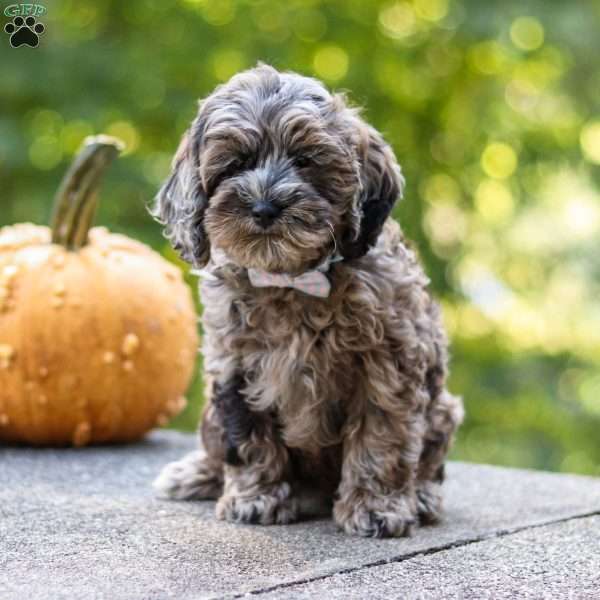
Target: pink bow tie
{"x": 313, "y": 283}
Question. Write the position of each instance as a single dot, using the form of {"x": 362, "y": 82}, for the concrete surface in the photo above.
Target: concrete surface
{"x": 561, "y": 560}
{"x": 84, "y": 524}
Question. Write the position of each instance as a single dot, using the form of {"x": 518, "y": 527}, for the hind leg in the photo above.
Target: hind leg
{"x": 199, "y": 474}
{"x": 443, "y": 418}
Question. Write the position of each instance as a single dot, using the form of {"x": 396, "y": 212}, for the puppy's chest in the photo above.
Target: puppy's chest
{"x": 291, "y": 329}
{"x": 288, "y": 347}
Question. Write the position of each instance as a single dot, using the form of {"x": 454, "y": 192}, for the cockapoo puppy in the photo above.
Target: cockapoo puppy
{"x": 324, "y": 355}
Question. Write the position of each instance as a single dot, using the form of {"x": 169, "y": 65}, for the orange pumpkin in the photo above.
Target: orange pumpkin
{"x": 97, "y": 331}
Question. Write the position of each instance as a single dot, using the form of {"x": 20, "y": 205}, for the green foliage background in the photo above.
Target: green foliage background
{"x": 492, "y": 108}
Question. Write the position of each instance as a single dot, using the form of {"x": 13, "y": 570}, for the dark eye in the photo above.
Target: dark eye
{"x": 232, "y": 168}
{"x": 247, "y": 162}
{"x": 238, "y": 165}
{"x": 302, "y": 161}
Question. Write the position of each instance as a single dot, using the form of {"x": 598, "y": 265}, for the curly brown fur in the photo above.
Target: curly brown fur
{"x": 308, "y": 399}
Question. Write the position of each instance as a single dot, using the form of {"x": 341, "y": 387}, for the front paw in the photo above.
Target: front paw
{"x": 369, "y": 515}
{"x": 274, "y": 506}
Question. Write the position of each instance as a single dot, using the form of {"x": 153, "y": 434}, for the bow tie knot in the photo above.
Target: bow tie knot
{"x": 313, "y": 283}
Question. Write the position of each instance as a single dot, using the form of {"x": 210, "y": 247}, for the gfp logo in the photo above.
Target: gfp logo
{"x": 24, "y": 29}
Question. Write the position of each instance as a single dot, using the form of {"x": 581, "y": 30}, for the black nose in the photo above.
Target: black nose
{"x": 265, "y": 213}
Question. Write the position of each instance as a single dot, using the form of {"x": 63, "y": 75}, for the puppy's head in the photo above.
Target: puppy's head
{"x": 278, "y": 173}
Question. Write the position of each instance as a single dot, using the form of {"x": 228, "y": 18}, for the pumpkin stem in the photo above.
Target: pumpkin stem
{"x": 75, "y": 202}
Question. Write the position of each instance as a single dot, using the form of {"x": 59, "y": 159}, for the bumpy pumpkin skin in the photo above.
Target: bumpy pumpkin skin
{"x": 97, "y": 345}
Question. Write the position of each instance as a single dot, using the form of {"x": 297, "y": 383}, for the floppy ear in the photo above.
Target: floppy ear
{"x": 382, "y": 184}
{"x": 181, "y": 202}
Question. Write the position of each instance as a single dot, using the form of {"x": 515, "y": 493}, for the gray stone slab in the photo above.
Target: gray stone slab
{"x": 555, "y": 561}
{"x": 84, "y": 524}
